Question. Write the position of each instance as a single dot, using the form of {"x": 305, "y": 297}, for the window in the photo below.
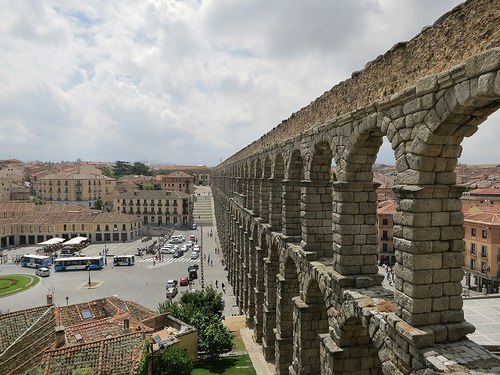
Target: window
{"x": 98, "y": 227}
{"x": 384, "y": 247}
{"x": 22, "y": 229}
{"x": 384, "y": 235}
{"x": 484, "y": 267}
{"x": 473, "y": 231}
{"x": 107, "y": 228}
{"x": 115, "y": 226}
{"x": 82, "y": 227}
{"x": 484, "y": 251}
{"x": 64, "y": 227}
{"x": 124, "y": 227}
{"x": 472, "y": 249}
{"x": 485, "y": 234}
{"x": 385, "y": 222}
{"x": 472, "y": 264}
{"x": 73, "y": 227}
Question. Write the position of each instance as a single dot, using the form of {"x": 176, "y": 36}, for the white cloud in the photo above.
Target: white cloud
{"x": 180, "y": 81}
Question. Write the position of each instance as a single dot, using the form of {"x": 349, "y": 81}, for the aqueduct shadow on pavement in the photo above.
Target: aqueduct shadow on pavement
{"x": 300, "y": 239}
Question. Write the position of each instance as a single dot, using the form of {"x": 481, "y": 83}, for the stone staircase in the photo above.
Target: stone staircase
{"x": 203, "y": 212}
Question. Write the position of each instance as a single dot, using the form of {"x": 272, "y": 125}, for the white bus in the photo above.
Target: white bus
{"x": 78, "y": 263}
{"x": 35, "y": 261}
{"x": 124, "y": 260}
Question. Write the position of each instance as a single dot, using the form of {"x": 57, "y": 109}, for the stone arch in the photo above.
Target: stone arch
{"x": 291, "y": 197}
{"x": 271, "y": 269}
{"x": 311, "y": 322}
{"x": 358, "y": 352}
{"x": 428, "y": 236}
{"x": 275, "y": 192}
{"x": 257, "y": 187}
{"x": 265, "y": 189}
{"x": 355, "y": 239}
{"x": 316, "y": 205}
{"x": 261, "y": 250}
{"x": 288, "y": 289}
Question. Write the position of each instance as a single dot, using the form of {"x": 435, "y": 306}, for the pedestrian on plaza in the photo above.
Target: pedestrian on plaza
{"x": 216, "y": 283}
{"x": 212, "y": 262}
{"x": 223, "y": 288}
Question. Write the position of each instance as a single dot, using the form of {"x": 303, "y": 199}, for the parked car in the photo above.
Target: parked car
{"x": 42, "y": 271}
{"x": 195, "y": 255}
{"x": 194, "y": 226}
{"x": 184, "y": 281}
{"x": 178, "y": 254}
{"x": 172, "y": 292}
{"x": 192, "y": 238}
{"x": 171, "y": 283}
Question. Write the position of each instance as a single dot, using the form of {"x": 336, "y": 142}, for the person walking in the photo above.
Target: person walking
{"x": 223, "y": 288}
{"x": 216, "y": 283}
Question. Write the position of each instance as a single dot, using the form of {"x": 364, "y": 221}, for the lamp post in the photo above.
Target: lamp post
{"x": 67, "y": 300}
{"x": 88, "y": 266}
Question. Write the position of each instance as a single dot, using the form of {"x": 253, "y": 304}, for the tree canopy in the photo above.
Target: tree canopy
{"x": 203, "y": 310}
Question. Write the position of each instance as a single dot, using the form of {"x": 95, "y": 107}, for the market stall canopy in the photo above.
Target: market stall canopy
{"x": 76, "y": 241}
{"x": 52, "y": 241}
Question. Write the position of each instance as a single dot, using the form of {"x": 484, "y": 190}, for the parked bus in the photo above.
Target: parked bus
{"x": 123, "y": 260}
{"x": 35, "y": 261}
{"x": 79, "y": 263}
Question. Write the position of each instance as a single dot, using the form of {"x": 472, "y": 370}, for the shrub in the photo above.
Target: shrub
{"x": 174, "y": 361}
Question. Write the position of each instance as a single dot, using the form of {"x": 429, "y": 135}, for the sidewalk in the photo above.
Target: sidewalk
{"x": 231, "y": 311}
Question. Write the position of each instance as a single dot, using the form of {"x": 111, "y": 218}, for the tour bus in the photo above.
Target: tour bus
{"x": 35, "y": 261}
{"x": 79, "y": 263}
{"x": 123, "y": 260}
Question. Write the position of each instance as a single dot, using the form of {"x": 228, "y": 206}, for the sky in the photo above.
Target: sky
{"x": 186, "y": 82}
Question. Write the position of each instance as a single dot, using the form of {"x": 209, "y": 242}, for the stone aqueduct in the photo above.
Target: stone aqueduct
{"x": 300, "y": 241}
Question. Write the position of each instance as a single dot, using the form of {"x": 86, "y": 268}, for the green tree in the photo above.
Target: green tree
{"x": 203, "y": 310}
{"x": 107, "y": 171}
{"x": 174, "y": 361}
{"x": 121, "y": 168}
{"x": 99, "y": 204}
{"x": 140, "y": 168}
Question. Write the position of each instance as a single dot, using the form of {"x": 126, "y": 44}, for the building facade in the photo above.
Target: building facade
{"x": 176, "y": 181}
{"x": 385, "y": 227}
{"x": 482, "y": 247}
{"x": 83, "y": 186}
{"x": 157, "y": 207}
{"x": 29, "y": 224}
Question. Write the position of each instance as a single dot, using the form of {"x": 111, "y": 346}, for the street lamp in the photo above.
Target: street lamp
{"x": 67, "y": 300}
{"x": 88, "y": 266}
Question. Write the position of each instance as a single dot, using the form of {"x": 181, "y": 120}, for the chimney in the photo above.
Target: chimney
{"x": 60, "y": 336}
{"x": 50, "y": 299}
{"x": 126, "y": 325}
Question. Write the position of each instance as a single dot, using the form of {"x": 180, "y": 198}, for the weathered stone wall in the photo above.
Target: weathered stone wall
{"x": 465, "y": 31}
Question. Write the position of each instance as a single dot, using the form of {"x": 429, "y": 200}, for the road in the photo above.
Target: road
{"x": 143, "y": 283}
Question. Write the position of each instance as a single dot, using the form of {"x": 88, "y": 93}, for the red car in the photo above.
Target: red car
{"x": 183, "y": 281}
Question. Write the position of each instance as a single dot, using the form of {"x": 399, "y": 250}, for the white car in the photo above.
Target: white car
{"x": 42, "y": 271}
{"x": 167, "y": 250}
{"x": 195, "y": 255}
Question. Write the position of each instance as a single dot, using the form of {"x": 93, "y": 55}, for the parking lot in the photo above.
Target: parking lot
{"x": 143, "y": 283}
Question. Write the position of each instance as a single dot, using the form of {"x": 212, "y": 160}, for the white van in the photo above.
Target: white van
{"x": 42, "y": 271}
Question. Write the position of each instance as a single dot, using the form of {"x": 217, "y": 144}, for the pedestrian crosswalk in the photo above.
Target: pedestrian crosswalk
{"x": 167, "y": 260}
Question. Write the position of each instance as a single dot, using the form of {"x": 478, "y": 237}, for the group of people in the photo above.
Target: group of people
{"x": 389, "y": 273}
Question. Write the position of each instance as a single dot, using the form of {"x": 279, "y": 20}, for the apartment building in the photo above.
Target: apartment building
{"x": 176, "y": 181}
{"x": 482, "y": 247}
{"x": 157, "y": 207}
{"x": 201, "y": 173}
{"x": 385, "y": 226}
{"x": 85, "y": 185}
{"x": 29, "y": 224}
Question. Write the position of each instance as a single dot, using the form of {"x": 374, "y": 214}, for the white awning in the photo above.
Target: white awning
{"x": 52, "y": 241}
{"x": 75, "y": 241}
